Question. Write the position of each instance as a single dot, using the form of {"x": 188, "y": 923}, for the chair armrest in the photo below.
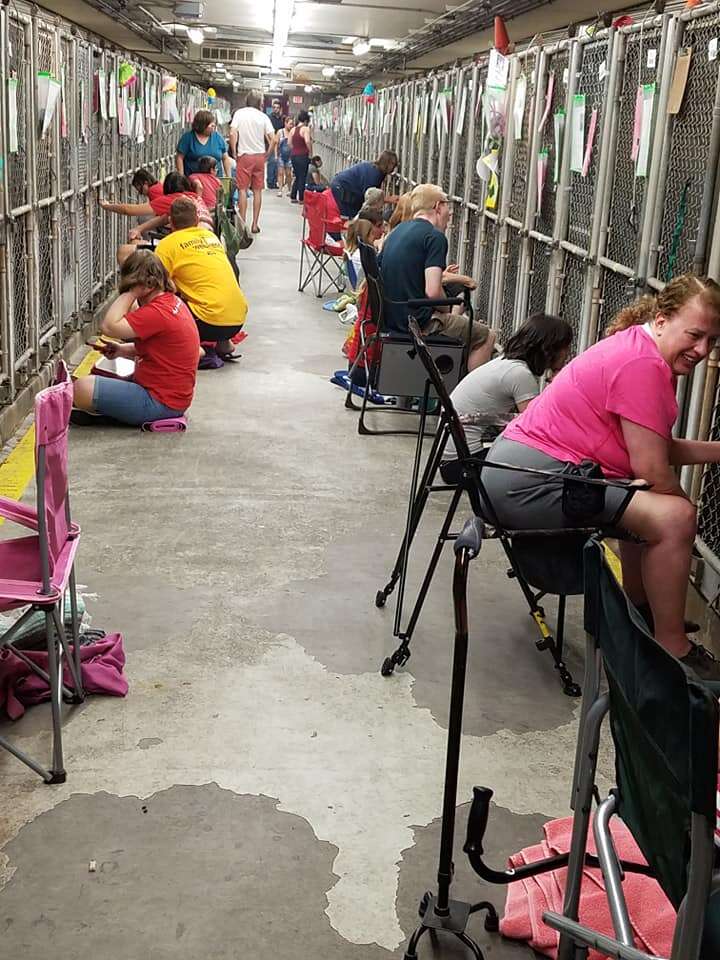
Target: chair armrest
{"x": 434, "y": 302}
{"x": 26, "y": 591}
{"x": 18, "y": 513}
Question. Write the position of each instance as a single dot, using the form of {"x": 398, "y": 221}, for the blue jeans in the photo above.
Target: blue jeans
{"x": 271, "y": 173}
{"x": 128, "y": 402}
{"x": 300, "y": 169}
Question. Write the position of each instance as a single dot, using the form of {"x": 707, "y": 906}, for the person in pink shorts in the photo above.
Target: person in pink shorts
{"x": 615, "y": 405}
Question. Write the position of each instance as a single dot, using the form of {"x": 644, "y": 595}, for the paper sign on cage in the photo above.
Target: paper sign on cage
{"x": 542, "y": 165}
{"x": 139, "y": 131}
{"x": 548, "y": 102}
{"x": 63, "y": 105}
{"x": 13, "y": 145}
{"x": 102, "y": 94}
{"x": 558, "y": 130}
{"x": 519, "y": 106}
{"x": 169, "y": 110}
{"x": 643, "y": 154}
{"x": 577, "y": 133}
{"x": 113, "y": 96}
{"x": 460, "y": 120}
{"x": 590, "y": 141}
{"x": 48, "y": 94}
{"x": 498, "y": 68}
{"x": 679, "y": 81}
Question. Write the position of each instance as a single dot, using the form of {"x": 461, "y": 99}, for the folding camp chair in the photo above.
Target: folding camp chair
{"x": 390, "y": 360}
{"x": 324, "y": 255}
{"x": 36, "y": 571}
{"x": 664, "y": 726}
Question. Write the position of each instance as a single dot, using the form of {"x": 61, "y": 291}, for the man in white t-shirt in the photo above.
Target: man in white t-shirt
{"x": 252, "y": 139}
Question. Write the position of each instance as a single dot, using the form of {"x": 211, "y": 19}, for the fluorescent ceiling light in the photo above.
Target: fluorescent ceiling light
{"x": 220, "y": 65}
{"x": 348, "y": 40}
{"x": 328, "y": 71}
{"x": 308, "y": 89}
{"x": 281, "y": 28}
{"x": 195, "y": 34}
{"x": 360, "y": 48}
{"x": 385, "y": 44}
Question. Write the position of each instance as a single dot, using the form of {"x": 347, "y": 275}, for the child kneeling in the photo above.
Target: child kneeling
{"x": 160, "y": 334}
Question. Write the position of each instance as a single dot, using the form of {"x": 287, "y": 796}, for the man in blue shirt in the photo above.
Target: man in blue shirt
{"x": 413, "y": 264}
{"x": 349, "y": 186}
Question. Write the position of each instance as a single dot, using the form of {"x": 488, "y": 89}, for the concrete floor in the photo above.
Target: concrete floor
{"x": 263, "y": 791}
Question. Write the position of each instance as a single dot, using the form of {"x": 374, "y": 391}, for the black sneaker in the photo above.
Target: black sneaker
{"x": 646, "y": 613}
{"x": 82, "y": 418}
{"x": 702, "y": 663}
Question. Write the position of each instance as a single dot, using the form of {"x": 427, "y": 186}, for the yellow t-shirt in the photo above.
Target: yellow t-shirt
{"x": 199, "y": 268}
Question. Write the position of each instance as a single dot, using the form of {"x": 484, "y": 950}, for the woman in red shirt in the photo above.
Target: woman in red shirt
{"x": 157, "y": 210}
{"x": 160, "y": 335}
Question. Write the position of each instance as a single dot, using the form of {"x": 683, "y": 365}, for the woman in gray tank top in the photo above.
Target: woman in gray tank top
{"x": 492, "y": 394}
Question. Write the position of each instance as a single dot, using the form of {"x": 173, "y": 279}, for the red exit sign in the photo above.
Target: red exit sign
{"x": 297, "y": 99}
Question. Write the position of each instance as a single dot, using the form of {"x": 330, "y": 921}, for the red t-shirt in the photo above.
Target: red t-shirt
{"x": 210, "y": 185}
{"x": 154, "y": 191}
{"x": 161, "y": 205}
{"x": 168, "y": 348}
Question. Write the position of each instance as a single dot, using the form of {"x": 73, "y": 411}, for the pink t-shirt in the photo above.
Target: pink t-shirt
{"x": 577, "y": 417}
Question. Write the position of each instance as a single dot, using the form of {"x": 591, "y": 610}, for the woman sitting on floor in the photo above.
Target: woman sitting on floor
{"x": 615, "y": 405}
{"x": 162, "y": 337}
{"x": 492, "y": 394}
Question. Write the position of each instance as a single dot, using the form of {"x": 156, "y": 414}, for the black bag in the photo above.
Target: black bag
{"x": 581, "y": 502}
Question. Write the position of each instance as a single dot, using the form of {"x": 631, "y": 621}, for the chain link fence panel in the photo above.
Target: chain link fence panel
{"x": 688, "y": 152}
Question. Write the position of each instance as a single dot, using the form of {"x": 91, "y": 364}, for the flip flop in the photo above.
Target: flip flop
{"x": 230, "y": 356}
{"x": 255, "y": 230}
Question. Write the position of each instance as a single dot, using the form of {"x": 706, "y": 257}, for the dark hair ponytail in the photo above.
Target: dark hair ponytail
{"x": 539, "y": 341}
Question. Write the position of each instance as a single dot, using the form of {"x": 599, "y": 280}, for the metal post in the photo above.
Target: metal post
{"x": 533, "y": 135}
{"x": 562, "y": 207}
{"x": 603, "y": 190}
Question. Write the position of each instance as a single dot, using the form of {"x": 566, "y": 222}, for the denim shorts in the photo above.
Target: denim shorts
{"x": 128, "y": 402}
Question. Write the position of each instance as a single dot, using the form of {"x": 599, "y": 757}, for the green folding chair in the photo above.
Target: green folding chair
{"x": 664, "y": 726}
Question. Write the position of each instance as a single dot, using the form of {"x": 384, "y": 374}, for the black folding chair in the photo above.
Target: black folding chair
{"x": 396, "y": 371}
{"x": 664, "y": 725}
{"x": 538, "y": 570}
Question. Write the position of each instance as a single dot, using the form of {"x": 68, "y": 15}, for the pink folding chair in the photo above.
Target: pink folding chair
{"x": 324, "y": 256}
{"x": 37, "y": 570}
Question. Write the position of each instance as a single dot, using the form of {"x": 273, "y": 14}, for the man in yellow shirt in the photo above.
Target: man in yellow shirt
{"x": 203, "y": 276}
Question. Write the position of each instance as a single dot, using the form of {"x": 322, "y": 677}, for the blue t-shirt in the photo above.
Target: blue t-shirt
{"x": 349, "y": 186}
{"x": 408, "y": 250}
{"x": 192, "y": 150}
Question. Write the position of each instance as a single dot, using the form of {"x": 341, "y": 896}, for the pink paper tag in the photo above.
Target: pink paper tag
{"x": 548, "y": 101}
{"x": 589, "y": 145}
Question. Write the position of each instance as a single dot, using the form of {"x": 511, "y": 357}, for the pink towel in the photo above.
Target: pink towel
{"x": 651, "y": 914}
{"x": 101, "y": 664}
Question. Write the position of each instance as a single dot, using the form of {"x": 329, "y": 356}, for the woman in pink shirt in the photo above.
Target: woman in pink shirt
{"x": 615, "y": 405}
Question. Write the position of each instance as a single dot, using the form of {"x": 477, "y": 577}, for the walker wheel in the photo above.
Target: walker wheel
{"x": 492, "y": 923}
{"x": 388, "y": 667}
{"x": 424, "y": 903}
{"x": 572, "y": 689}
{"x": 380, "y": 599}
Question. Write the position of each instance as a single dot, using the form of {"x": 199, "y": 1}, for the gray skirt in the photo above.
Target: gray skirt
{"x": 521, "y": 501}
{"x": 526, "y": 502}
